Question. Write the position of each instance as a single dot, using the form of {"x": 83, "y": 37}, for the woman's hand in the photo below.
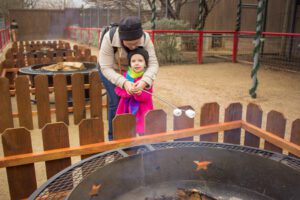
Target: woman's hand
{"x": 129, "y": 87}
{"x": 138, "y": 87}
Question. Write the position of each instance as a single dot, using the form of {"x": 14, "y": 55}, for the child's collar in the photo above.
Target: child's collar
{"x": 134, "y": 74}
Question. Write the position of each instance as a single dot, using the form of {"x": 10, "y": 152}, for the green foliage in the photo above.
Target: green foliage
{"x": 167, "y": 45}
{"x": 94, "y": 38}
{"x": 83, "y": 37}
{"x": 168, "y": 24}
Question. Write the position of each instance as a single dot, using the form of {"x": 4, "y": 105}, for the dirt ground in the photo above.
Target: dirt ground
{"x": 195, "y": 85}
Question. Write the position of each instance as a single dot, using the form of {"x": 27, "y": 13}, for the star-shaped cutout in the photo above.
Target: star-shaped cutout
{"x": 202, "y": 165}
{"x": 94, "y": 190}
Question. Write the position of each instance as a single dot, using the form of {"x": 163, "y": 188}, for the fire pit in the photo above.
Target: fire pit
{"x": 41, "y": 69}
{"x": 38, "y": 69}
{"x": 179, "y": 170}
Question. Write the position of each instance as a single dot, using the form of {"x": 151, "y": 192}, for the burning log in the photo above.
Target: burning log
{"x": 192, "y": 194}
{"x": 65, "y": 66}
{"x": 185, "y": 194}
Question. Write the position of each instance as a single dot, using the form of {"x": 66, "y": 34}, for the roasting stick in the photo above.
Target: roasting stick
{"x": 172, "y": 105}
{"x": 177, "y": 111}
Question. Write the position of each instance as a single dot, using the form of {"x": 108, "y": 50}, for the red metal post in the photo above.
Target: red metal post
{"x": 1, "y": 45}
{"x": 200, "y": 46}
{"x": 80, "y": 35}
{"x": 235, "y": 46}
{"x": 69, "y": 33}
{"x": 8, "y": 34}
{"x": 4, "y": 39}
{"x": 89, "y": 37}
{"x": 99, "y": 31}
{"x": 152, "y": 36}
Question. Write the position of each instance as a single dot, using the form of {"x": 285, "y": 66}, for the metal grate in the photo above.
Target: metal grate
{"x": 243, "y": 149}
{"x": 59, "y": 186}
{"x": 286, "y": 160}
{"x": 291, "y": 162}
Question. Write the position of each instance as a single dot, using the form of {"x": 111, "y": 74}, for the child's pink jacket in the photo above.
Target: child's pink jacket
{"x": 126, "y": 105}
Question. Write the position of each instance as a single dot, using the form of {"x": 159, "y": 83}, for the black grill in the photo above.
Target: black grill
{"x": 60, "y": 186}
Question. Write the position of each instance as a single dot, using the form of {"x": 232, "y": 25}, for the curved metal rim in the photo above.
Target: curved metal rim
{"x": 232, "y": 147}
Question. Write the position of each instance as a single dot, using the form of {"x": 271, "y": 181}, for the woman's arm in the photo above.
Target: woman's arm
{"x": 106, "y": 62}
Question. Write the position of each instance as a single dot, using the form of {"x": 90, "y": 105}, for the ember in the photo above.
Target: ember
{"x": 184, "y": 194}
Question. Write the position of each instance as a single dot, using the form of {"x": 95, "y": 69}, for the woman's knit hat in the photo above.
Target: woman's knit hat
{"x": 130, "y": 28}
{"x": 139, "y": 50}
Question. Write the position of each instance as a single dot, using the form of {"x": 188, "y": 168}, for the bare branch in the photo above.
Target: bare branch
{"x": 30, "y": 3}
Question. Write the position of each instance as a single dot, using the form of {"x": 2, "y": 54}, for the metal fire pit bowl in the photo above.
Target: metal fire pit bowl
{"x": 37, "y": 70}
{"x": 235, "y": 173}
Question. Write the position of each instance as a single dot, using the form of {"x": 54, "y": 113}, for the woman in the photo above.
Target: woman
{"x": 128, "y": 36}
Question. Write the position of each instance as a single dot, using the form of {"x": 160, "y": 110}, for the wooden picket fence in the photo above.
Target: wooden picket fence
{"x": 25, "y": 112}
{"x": 19, "y": 157}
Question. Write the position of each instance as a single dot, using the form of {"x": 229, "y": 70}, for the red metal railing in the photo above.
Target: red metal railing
{"x": 81, "y": 32}
{"x": 270, "y": 33}
{"x": 70, "y": 31}
{"x": 4, "y": 38}
{"x": 232, "y": 46}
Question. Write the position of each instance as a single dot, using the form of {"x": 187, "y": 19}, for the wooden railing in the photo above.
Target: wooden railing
{"x": 19, "y": 157}
{"x": 23, "y": 98}
{"x": 4, "y": 38}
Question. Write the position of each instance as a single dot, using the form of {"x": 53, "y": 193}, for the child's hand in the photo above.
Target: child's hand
{"x": 139, "y": 86}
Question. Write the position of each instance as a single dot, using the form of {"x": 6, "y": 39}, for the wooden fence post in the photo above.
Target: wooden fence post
{"x": 61, "y": 98}
{"x": 233, "y": 112}
{"x": 42, "y": 100}
{"x": 90, "y": 131}
{"x": 295, "y": 134}
{"x": 124, "y": 126}
{"x": 6, "y": 117}
{"x": 56, "y": 136}
{"x": 155, "y": 122}
{"x": 23, "y": 102}
{"x": 209, "y": 115}
{"x": 21, "y": 179}
{"x": 183, "y": 122}
{"x": 253, "y": 116}
{"x": 276, "y": 125}
{"x": 95, "y": 95}
{"x": 78, "y": 97}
